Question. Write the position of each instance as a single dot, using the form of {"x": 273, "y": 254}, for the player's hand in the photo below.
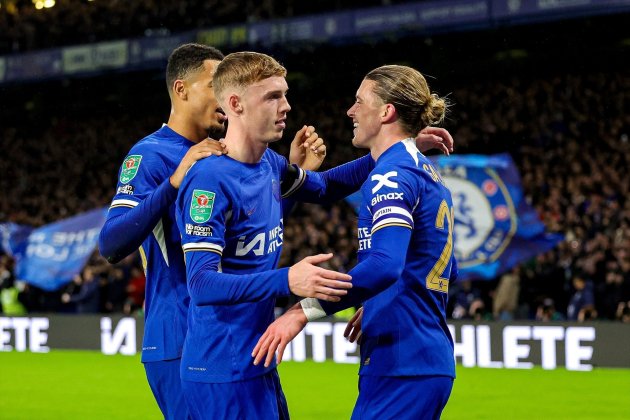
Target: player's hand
{"x": 278, "y": 335}
{"x": 201, "y": 150}
{"x": 307, "y": 149}
{"x": 353, "y": 329}
{"x": 306, "y": 279}
{"x": 435, "y": 138}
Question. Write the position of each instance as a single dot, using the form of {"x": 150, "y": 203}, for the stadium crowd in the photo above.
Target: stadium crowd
{"x": 25, "y": 28}
{"x": 568, "y": 136}
{"x": 567, "y": 129}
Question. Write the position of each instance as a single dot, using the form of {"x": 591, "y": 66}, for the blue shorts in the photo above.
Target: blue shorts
{"x": 165, "y": 382}
{"x": 257, "y": 398}
{"x": 406, "y": 397}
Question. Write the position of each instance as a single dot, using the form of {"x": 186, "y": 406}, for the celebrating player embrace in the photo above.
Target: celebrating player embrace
{"x": 403, "y": 274}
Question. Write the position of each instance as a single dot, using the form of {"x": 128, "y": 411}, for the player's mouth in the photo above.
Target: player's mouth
{"x": 282, "y": 123}
{"x": 355, "y": 125}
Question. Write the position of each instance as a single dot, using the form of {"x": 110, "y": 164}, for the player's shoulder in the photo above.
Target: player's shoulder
{"x": 274, "y": 158}
{"x": 402, "y": 158}
{"x": 149, "y": 147}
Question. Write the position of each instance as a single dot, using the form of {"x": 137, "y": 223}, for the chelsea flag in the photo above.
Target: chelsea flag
{"x": 49, "y": 256}
{"x": 495, "y": 228}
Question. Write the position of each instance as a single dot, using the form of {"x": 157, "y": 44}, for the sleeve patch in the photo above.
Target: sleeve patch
{"x": 201, "y": 205}
{"x": 129, "y": 168}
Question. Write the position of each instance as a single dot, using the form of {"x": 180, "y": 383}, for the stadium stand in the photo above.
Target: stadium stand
{"x": 564, "y": 120}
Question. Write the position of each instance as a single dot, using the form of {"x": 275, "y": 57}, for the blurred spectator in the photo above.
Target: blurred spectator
{"x": 88, "y": 295}
{"x": 546, "y": 312}
{"x": 582, "y": 303}
{"x": 135, "y": 292}
{"x": 9, "y": 292}
{"x": 506, "y": 295}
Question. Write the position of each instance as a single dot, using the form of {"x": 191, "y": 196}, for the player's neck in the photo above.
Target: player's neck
{"x": 243, "y": 148}
{"x": 384, "y": 141}
{"x": 185, "y": 129}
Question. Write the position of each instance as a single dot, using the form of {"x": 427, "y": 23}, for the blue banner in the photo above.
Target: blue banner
{"x": 13, "y": 238}
{"x": 495, "y": 228}
{"x": 51, "y": 255}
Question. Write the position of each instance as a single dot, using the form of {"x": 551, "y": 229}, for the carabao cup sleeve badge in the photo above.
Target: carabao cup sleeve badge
{"x": 130, "y": 168}
{"x": 201, "y": 206}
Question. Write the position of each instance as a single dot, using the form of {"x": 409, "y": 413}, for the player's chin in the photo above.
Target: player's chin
{"x": 216, "y": 131}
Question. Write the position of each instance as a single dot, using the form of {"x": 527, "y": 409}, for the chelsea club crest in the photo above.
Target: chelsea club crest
{"x": 485, "y": 218}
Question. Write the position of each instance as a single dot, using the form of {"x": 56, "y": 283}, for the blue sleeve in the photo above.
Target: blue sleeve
{"x": 204, "y": 206}
{"x": 331, "y": 185}
{"x": 287, "y": 207}
{"x": 125, "y": 230}
{"x": 208, "y": 286}
{"x": 390, "y": 198}
{"x": 378, "y": 271}
{"x": 143, "y": 195}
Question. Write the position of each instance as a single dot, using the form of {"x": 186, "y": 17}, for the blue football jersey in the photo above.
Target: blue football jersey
{"x": 149, "y": 163}
{"x": 404, "y": 327}
{"x": 232, "y": 239}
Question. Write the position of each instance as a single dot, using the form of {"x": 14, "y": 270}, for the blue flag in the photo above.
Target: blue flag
{"x": 48, "y": 257}
{"x": 495, "y": 228}
{"x": 13, "y": 238}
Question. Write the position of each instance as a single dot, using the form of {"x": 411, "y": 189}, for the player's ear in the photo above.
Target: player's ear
{"x": 388, "y": 113}
{"x": 179, "y": 89}
{"x": 234, "y": 103}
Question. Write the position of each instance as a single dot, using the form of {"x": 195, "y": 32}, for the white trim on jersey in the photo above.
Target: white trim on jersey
{"x": 202, "y": 246}
{"x": 412, "y": 149}
{"x": 312, "y": 309}
{"x": 158, "y": 232}
{"x": 391, "y": 210}
{"x": 391, "y": 220}
{"x": 297, "y": 183}
{"x": 122, "y": 202}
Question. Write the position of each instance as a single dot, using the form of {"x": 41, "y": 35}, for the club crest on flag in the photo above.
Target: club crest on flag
{"x": 130, "y": 168}
{"x": 495, "y": 227}
{"x": 201, "y": 205}
{"x": 485, "y": 220}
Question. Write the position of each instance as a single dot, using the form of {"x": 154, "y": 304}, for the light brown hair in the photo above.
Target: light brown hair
{"x": 407, "y": 89}
{"x": 242, "y": 69}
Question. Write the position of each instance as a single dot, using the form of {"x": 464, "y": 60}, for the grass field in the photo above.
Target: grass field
{"x": 89, "y": 385}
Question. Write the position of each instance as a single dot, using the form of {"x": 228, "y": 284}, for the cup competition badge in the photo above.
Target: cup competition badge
{"x": 130, "y": 168}
{"x": 201, "y": 206}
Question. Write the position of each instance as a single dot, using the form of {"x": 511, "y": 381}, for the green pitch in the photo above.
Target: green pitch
{"x": 89, "y": 385}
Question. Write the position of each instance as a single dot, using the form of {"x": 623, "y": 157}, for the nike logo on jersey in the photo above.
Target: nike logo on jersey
{"x": 383, "y": 181}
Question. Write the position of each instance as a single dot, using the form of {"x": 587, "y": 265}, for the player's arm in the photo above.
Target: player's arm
{"x": 328, "y": 186}
{"x": 202, "y": 208}
{"x": 341, "y": 181}
{"x": 391, "y": 204}
{"x": 373, "y": 275}
{"x": 141, "y": 201}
